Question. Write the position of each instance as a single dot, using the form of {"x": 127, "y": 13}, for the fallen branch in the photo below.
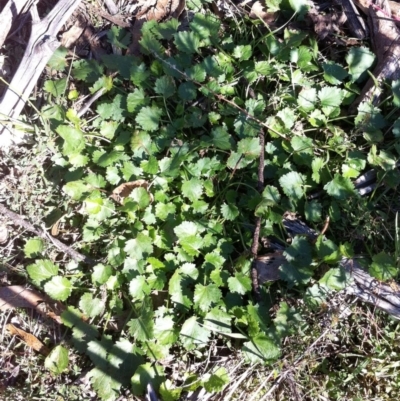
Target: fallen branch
{"x": 19, "y": 220}
{"x": 41, "y": 46}
{"x": 256, "y": 235}
{"x": 363, "y": 286}
{"x": 8, "y": 15}
{"x": 385, "y": 39}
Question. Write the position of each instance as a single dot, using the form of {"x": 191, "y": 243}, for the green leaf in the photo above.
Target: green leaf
{"x": 104, "y": 82}
{"x": 141, "y": 329}
{"x": 136, "y": 99}
{"x": 216, "y": 381}
{"x": 149, "y": 43}
{"x": 299, "y": 252}
{"x": 139, "y": 247}
{"x": 118, "y": 37}
{"x": 57, "y": 361}
{"x": 139, "y": 288}
{"x": 58, "y": 59}
{"x": 107, "y": 387}
{"x": 150, "y": 166}
{"x": 145, "y": 374}
{"x": 383, "y": 267}
{"x": 99, "y": 208}
{"x": 236, "y": 161}
{"x": 176, "y": 290}
{"x": 115, "y": 110}
{"x": 141, "y": 197}
{"x": 87, "y": 70}
{"x": 313, "y": 210}
{"x": 307, "y": 99}
{"x": 90, "y": 306}
{"x": 330, "y": 98}
{"x": 355, "y": 163}
{"x": 74, "y": 141}
{"x": 206, "y": 27}
{"x": 249, "y": 147}
{"x": 303, "y": 148}
{"x": 42, "y": 270}
{"x": 327, "y": 250}
{"x": 294, "y": 275}
{"x": 316, "y": 166}
{"x": 56, "y": 88}
{"x": 369, "y": 118}
{"x": 105, "y": 159}
{"x": 263, "y": 68}
{"x": 124, "y": 358}
{"x": 187, "y": 91}
{"x": 186, "y": 229}
{"x": 261, "y": 349}
{"x": 149, "y": 118}
{"x": 334, "y": 73}
{"x": 340, "y": 188}
{"x": 101, "y": 274}
{"x": 240, "y": 283}
{"x": 287, "y": 116}
{"x": 192, "y": 189}
{"x": 396, "y": 92}
{"x": 165, "y": 86}
{"x": 59, "y": 288}
{"x": 165, "y": 331}
{"x": 196, "y": 73}
{"x": 191, "y": 244}
{"x": 193, "y": 335}
{"x": 242, "y": 52}
{"x": 78, "y": 160}
{"x": 287, "y": 321}
{"x": 164, "y": 210}
{"x": 229, "y": 211}
{"x": 293, "y": 185}
{"x": 33, "y": 247}
{"x": 218, "y": 320}
{"x": 168, "y": 28}
{"x": 76, "y": 189}
{"x": 221, "y": 139}
{"x": 168, "y": 392}
{"x": 112, "y": 175}
{"x": 204, "y": 296}
{"x": 187, "y": 42}
{"x": 98, "y": 350}
{"x": 336, "y": 279}
{"x": 359, "y": 59}
{"x": 315, "y": 296}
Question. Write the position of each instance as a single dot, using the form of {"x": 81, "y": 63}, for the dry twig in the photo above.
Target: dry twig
{"x": 19, "y": 220}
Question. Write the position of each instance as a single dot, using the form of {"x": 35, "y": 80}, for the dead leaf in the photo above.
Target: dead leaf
{"x": 17, "y": 296}
{"x": 149, "y": 10}
{"x": 55, "y": 230}
{"x": 70, "y": 37}
{"x": 326, "y": 24}
{"x": 258, "y": 11}
{"x": 29, "y": 339}
{"x": 124, "y": 190}
{"x": 3, "y": 234}
{"x": 267, "y": 266}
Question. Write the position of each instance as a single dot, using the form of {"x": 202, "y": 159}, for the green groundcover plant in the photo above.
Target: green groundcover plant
{"x": 173, "y": 254}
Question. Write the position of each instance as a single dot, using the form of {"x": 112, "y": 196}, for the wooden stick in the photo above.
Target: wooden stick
{"x": 41, "y": 46}
{"x": 19, "y": 220}
{"x": 8, "y": 15}
{"x": 256, "y": 235}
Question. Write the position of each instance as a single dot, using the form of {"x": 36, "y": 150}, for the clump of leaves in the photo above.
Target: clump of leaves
{"x": 174, "y": 251}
